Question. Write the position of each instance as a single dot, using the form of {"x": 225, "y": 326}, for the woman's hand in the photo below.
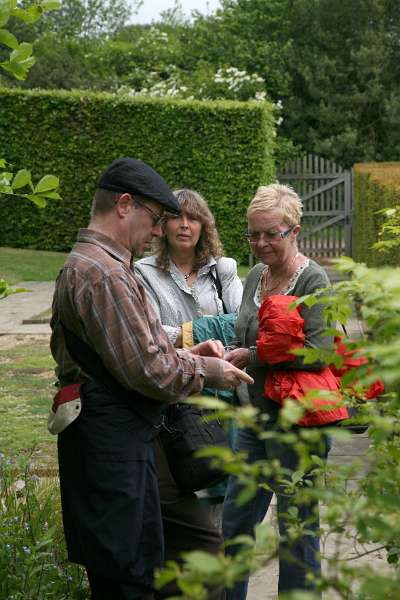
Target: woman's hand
{"x": 213, "y": 348}
{"x": 239, "y": 357}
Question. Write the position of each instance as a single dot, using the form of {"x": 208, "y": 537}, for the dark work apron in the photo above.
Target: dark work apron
{"x": 109, "y": 492}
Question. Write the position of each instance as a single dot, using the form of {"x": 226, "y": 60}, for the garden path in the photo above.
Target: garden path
{"x": 18, "y": 311}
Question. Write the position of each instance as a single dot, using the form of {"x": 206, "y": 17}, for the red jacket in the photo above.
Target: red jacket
{"x": 280, "y": 331}
{"x": 351, "y": 360}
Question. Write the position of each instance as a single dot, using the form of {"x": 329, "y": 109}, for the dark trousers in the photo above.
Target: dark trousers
{"x": 110, "y": 497}
{"x": 106, "y": 589}
{"x": 187, "y": 524}
{"x": 295, "y": 559}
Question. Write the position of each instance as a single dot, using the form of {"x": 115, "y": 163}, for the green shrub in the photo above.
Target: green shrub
{"x": 376, "y": 186}
{"x": 222, "y": 149}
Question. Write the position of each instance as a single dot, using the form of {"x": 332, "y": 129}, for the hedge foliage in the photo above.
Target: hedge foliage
{"x": 222, "y": 149}
{"x": 376, "y": 186}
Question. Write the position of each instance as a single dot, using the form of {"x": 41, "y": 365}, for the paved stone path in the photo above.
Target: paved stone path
{"x": 17, "y": 308}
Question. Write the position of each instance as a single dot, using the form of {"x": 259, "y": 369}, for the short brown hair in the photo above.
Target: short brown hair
{"x": 103, "y": 202}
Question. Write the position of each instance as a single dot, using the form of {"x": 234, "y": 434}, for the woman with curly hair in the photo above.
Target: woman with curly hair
{"x": 183, "y": 276}
{"x": 195, "y": 291}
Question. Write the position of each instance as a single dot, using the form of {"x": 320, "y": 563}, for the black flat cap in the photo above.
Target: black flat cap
{"x": 134, "y": 176}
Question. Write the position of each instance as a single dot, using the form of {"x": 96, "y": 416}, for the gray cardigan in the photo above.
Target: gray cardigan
{"x": 311, "y": 278}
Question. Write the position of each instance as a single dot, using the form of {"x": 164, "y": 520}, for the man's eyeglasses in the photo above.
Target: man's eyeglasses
{"x": 270, "y": 236}
{"x": 157, "y": 217}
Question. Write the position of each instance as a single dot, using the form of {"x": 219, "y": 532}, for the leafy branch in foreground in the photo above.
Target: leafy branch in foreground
{"x": 361, "y": 515}
{"x": 18, "y": 65}
{"x": 20, "y": 59}
{"x": 6, "y": 290}
{"x": 39, "y": 194}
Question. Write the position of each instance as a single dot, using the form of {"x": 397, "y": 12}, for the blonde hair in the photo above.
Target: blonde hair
{"x": 209, "y": 244}
{"x": 278, "y": 196}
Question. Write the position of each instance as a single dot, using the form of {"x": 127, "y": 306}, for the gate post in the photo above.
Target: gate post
{"x": 348, "y": 207}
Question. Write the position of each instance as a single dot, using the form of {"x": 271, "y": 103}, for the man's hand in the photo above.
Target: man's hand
{"x": 234, "y": 376}
{"x": 238, "y": 357}
{"x": 213, "y": 348}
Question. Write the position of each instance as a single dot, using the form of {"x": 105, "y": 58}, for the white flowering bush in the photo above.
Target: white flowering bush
{"x": 227, "y": 83}
{"x": 33, "y": 561}
{"x": 168, "y": 86}
{"x": 234, "y": 84}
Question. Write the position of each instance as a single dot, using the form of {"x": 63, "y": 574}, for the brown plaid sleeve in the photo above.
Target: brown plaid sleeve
{"x": 124, "y": 330}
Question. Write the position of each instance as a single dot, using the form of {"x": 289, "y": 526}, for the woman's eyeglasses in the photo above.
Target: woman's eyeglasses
{"x": 269, "y": 236}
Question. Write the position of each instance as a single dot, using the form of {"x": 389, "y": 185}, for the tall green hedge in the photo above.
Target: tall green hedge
{"x": 222, "y": 149}
{"x": 376, "y": 186}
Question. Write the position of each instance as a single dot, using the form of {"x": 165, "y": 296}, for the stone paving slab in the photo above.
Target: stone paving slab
{"x": 16, "y": 308}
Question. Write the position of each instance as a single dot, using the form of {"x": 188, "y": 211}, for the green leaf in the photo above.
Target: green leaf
{"x": 47, "y": 183}
{"x": 5, "y": 10}
{"x": 15, "y": 68}
{"x": 22, "y": 52}
{"x": 50, "y": 5}
{"x": 21, "y": 179}
{"x": 297, "y": 476}
{"x": 246, "y": 494}
{"x": 243, "y": 540}
{"x": 51, "y": 195}
{"x": 202, "y": 561}
{"x": 6, "y": 290}
{"x": 27, "y": 63}
{"x": 8, "y": 39}
{"x": 5, "y": 178}
{"x": 164, "y": 577}
{"x": 291, "y": 412}
{"x": 38, "y": 200}
{"x": 29, "y": 15}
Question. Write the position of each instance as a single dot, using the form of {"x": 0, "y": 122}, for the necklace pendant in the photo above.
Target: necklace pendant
{"x": 187, "y": 275}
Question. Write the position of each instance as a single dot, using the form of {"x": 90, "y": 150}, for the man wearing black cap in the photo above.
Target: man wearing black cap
{"x": 116, "y": 369}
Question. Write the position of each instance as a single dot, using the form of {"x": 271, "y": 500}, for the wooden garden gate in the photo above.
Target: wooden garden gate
{"x": 326, "y": 191}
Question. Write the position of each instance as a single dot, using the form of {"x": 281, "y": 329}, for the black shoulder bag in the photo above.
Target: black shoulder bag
{"x": 184, "y": 433}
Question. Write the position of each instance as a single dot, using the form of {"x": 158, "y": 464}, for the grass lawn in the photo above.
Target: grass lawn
{"x": 26, "y": 391}
{"x": 29, "y": 265}
{"x": 242, "y": 271}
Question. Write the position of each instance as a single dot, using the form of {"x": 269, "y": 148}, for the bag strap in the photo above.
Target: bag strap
{"x": 90, "y": 362}
{"x": 217, "y": 281}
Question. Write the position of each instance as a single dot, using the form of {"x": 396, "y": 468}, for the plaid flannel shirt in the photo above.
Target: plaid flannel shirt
{"x": 98, "y": 297}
